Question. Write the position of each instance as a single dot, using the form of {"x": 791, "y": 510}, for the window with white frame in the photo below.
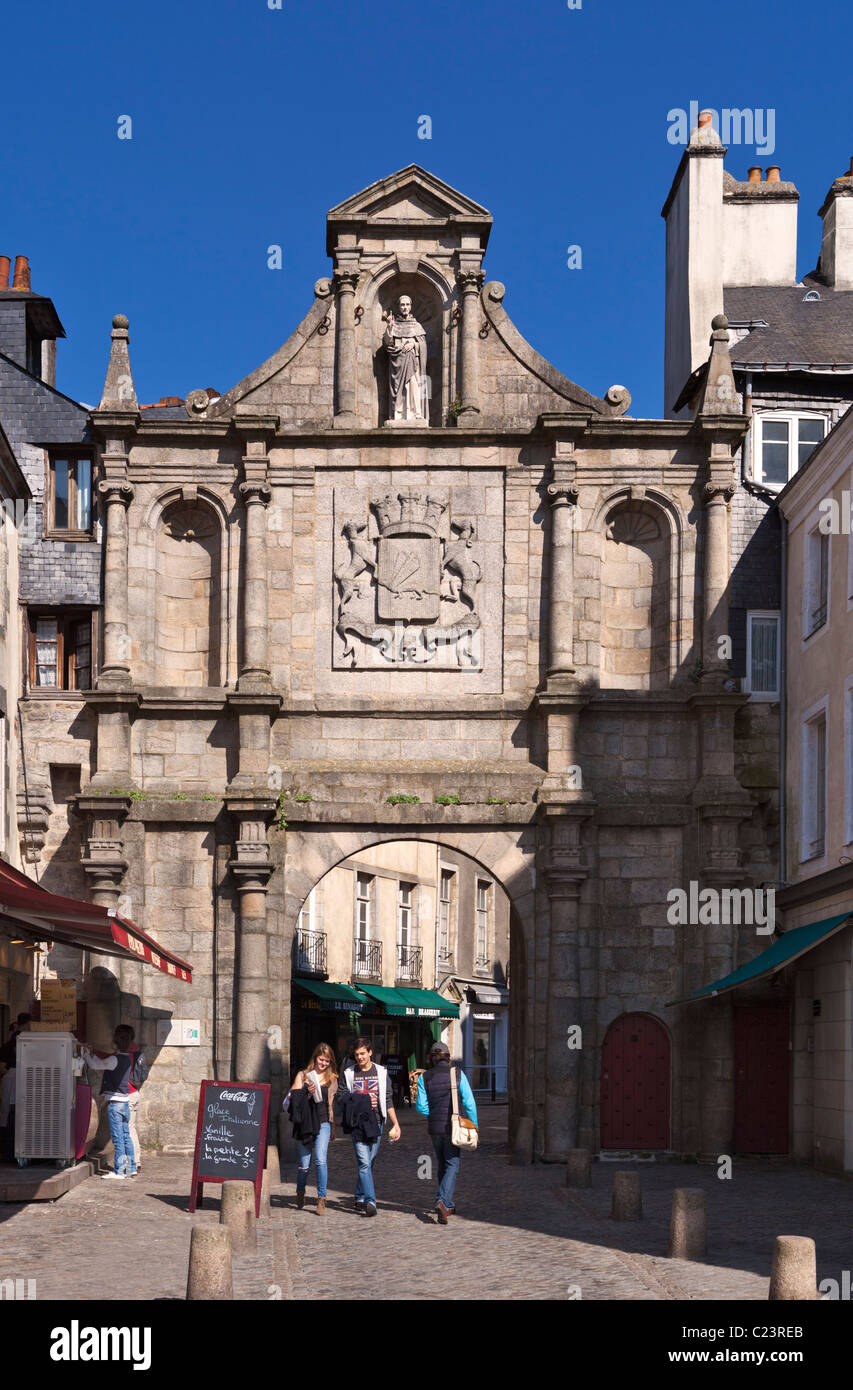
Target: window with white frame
{"x": 363, "y": 906}
{"x": 483, "y": 913}
{"x": 307, "y": 913}
{"x": 813, "y": 836}
{"x": 816, "y": 586}
{"x": 446, "y": 891}
{"x": 783, "y": 443}
{"x": 762, "y": 654}
{"x": 406, "y": 929}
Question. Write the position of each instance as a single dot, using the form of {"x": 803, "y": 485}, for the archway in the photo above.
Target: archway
{"x": 502, "y": 859}
{"x": 635, "y": 1084}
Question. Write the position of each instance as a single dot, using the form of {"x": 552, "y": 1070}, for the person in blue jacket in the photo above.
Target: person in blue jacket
{"x": 435, "y": 1099}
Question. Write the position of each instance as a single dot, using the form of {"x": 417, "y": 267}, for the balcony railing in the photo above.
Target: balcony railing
{"x": 309, "y": 955}
{"x": 409, "y": 962}
{"x": 367, "y": 960}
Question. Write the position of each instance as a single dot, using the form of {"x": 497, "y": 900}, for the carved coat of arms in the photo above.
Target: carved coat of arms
{"x": 409, "y": 593}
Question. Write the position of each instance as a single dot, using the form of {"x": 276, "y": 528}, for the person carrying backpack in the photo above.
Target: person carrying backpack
{"x": 117, "y": 1088}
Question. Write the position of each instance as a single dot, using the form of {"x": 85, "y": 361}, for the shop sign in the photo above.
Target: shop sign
{"x": 484, "y": 1016}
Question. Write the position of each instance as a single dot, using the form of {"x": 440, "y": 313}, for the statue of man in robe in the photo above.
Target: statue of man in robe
{"x": 405, "y": 342}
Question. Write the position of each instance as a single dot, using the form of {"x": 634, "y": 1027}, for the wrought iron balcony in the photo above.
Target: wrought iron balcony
{"x": 409, "y": 962}
{"x": 367, "y": 960}
{"x": 309, "y": 953}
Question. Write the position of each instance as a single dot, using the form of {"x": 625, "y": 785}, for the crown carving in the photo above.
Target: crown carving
{"x": 409, "y": 513}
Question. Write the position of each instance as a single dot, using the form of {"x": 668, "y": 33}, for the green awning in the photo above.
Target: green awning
{"x": 411, "y": 1003}
{"x": 783, "y": 952}
{"x": 337, "y": 998}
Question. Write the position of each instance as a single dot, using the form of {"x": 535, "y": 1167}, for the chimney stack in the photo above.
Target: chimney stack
{"x": 754, "y": 174}
{"x": 5, "y": 267}
{"x": 836, "y": 249}
{"x": 21, "y": 280}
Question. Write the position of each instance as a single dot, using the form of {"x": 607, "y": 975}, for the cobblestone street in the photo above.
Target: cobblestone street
{"x": 519, "y": 1234}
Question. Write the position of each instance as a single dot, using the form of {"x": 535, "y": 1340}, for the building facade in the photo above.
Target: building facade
{"x": 818, "y": 864}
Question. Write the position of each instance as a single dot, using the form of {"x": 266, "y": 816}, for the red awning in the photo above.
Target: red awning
{"x": 48, "y": 917}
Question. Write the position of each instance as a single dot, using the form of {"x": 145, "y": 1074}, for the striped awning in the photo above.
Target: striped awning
{"x": 41, "y": 916}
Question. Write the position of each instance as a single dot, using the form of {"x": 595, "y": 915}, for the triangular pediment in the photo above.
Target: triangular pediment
{"x": 411, "y": 194}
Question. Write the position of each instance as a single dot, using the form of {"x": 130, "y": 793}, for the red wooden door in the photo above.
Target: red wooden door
{"x": 761, "y": 1079}
{"x": 635, "y": 1084}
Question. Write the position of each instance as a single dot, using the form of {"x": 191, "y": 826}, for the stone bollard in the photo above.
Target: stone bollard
{"x": 688, "y": 1228}
{"x": 579, "y": 1168}
{"x": 273, "y": 1166}
{"x": 627, "y": 1202}
{"x": 209, "y": 1274}
{"x": 265, "y": 1193}
{"x": 522, "y": 1149}
{"x": 793, "y": 1274}
{"x": 237, "y": 1212}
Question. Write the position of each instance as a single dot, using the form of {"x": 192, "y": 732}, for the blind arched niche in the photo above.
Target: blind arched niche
{"x": 189, "y": 589}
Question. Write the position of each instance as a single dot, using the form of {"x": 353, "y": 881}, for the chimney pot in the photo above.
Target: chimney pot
{"x": 21, "y": 279}
{"x": 773, "y": 173}
{"x": 5, "y": 266}
{"x": 849, "y": 174}
{"x": 754, "y": 174}
{"x": 705, "y": 118}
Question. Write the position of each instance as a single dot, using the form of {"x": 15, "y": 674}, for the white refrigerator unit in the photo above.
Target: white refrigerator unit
{"x": 44, "y": 1096}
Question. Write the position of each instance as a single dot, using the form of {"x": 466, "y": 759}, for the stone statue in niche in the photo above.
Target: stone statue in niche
{"x": 405, "y": 342}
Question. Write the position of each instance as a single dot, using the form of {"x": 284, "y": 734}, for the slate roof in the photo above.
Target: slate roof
{"x": 818, "y": 333}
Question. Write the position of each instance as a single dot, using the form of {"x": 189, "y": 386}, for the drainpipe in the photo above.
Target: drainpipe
{"x": 783, "y": 704}
{"x": 437, "y": 909}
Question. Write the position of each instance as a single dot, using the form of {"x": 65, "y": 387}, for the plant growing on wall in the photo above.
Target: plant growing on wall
{"x": 402, "y": 799}
{"x": 447, "y": 799}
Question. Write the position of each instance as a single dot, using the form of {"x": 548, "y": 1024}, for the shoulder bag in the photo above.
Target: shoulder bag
{"x": 463, "y": 1132}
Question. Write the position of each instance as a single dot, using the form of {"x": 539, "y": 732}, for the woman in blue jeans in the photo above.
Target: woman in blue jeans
{"x": 320, "y": 1080}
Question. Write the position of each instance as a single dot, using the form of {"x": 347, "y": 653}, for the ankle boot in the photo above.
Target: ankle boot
{"x": 300, "y": 1200}
{"x": 321, "y": 1206}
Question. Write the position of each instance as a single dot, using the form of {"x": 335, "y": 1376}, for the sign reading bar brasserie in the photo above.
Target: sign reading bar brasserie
{"x": 231, "y": 1136}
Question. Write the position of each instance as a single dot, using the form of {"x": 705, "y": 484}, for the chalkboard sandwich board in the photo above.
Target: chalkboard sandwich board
{"x": 231, "y": 1136}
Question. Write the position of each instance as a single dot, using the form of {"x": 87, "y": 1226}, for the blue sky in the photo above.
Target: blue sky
{"x": 249, "y": 123}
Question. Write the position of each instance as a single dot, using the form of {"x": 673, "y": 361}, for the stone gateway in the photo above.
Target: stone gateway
{"x": 504, "y": 613}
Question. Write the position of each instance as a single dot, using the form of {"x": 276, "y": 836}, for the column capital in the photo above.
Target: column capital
{"x": 470, "y": 281}
{"x": 116, "y": 490}
{"x": 346, "y": 281}
{"x": 255, "y": 490}
{"x": 562, "y": 493}
{"x": 718, "y": 490}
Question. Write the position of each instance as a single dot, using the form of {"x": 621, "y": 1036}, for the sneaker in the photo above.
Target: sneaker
{"x": 116, "y": 1177}
{"x": 370, "y": 1208}
{"x": 133, "y": 1174}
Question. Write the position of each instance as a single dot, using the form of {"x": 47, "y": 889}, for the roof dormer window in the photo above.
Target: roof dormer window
{"x": 811, "y": 297}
